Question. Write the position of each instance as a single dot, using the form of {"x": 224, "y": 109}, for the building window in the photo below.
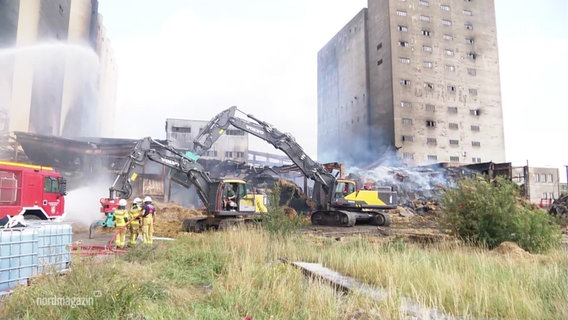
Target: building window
{"x": 406, "y": 104}
{"x": 473, "y": 92}
{"x": 429, "y": 85}
{"x": 402, "y": 28}
{"x": 450, "y": 68}
{"x": 404, "y": 60}
{"x": 472, "y": 72}
{"x": 401, "y": 13}
{"x": 405, "y": 82}
{"x": 426, "y": 33}
{"x": 427, "y": 49}
{"x": 475, "y": 112}
{"x": 408, "y": 156}
{"x": 228, "y": 154}
{"x": 425, "y": 18}
{"x": 454, "y": 159}
{"x": 452, "y": 89}
{"x": 472, "y": 56}
{"x": 549, "y": 179}
{"x": 407, "y": 138}
{"x": 476, "y": 144}
{"x": 445, "y": 7}
{"x": 430, "y": 107}
{"x": 467, "y": 12}
{"x": 453, "y": 110}
{"x": 379, "y": 46}
{"x": 468, "y": 26}
{"x": 240, "y": 154}
{"x": 453, "y": 126}
{"x": 407, "y": 121}
{"x": 403, "y": 43}
{"x": 431, "y": 141}
{"x": 424, "y": 3}
{"x": 454, "y": 142}
{"x": 181, "y": 129}
{"x": 474, "y": 127}
{"x": 428, "y": 64}
{"x": 449, "y": 52}
{"x": 430, "y": 123}
{"x": 380, "y": 62}
{"x": 476, "y": 160}
{"x": 211, "y": 153}
{"x": 432, "y": 157}
{"x": 469, "y": 41}
{"x": 448, "y": 37}
{"x": 446, "y": 22}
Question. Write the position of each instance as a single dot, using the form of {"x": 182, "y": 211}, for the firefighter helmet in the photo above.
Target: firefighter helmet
{"x": 138, "y": 201}
{"x": 122, "y": 202}
{"x": 147, "y": 199}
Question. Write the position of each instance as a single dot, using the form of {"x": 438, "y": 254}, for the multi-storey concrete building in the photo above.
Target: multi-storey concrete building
{"x": 418, "y": 79}
{"x": 233, "y": 145}
{"x": 58, "y": 72}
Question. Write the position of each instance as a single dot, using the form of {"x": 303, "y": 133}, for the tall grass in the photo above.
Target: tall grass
{"x": 236, "y": 274}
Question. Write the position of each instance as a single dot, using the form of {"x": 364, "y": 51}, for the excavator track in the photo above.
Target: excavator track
{"x": 336, "y": 218}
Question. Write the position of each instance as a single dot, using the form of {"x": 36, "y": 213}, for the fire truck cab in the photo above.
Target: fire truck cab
{"x": 35, "y": 191}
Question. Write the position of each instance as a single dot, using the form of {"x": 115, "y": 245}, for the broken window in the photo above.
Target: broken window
{"x": 402, "y": 28}
{"x": 380, "y": 62}
{"x": 403, "y": 43}
{"x": 475, "y": 112}
{"x": 430, "y": 123}
{"x": 407, "y": 138}
{"x": 469, "y": 40}
{"x": 468, "y": 26}
{"x": 428, "y": 85}
{"x": 426, "y": 33}
{"x": 379, "y": 46}
{"x": 472, "y": 56}
{"x": 452, "y": 89}
{"x": 405, "y": 82}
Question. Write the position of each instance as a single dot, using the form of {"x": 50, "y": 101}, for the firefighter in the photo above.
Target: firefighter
{"x": 120, "y": 220}
{"x": 134, "y": 225}
{"x": 148, "y": 214}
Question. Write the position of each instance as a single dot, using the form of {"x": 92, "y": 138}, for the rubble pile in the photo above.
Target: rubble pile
{"x": 169, "y": 217}
{"x": 560, "y": 207}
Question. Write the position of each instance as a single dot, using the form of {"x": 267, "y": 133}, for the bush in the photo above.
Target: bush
{"x": 488, "y": 213}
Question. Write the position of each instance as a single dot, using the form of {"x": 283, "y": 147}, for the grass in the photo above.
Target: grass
{"x": 237, "y": 274}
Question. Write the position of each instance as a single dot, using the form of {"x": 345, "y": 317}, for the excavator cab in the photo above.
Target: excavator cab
{"x": 343, "y": 188}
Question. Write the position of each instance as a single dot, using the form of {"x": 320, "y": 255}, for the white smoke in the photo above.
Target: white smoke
{"x": 82, "y": 205}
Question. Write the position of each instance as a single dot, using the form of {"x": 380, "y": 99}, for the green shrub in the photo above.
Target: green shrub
{"x": 488, "y": 213}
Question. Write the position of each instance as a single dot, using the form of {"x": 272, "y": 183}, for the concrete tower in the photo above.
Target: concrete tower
{"x": 415, "y": 80}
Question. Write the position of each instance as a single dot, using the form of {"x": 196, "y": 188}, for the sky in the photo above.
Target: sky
{"x": 192, "y": 59}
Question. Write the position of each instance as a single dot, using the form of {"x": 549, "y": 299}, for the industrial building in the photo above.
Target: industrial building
{"x": 412, "y": 81}
{"x": 58, "y": 70}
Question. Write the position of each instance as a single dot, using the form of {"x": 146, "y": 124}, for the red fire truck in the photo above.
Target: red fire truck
{"x": 37, "y": 192}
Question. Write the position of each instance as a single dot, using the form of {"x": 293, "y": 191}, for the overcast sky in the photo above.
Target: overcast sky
{"x": 192, "y": 59}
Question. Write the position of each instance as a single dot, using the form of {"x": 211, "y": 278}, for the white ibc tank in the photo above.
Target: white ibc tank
{"x": 54, "y": 241}
{"x": 18, "y": 256}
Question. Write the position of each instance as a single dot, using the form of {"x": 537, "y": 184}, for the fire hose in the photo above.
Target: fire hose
{"x": 108, "y": 249}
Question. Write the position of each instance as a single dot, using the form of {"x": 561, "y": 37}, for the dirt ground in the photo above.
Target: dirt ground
{"x": 418, "y": 228}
